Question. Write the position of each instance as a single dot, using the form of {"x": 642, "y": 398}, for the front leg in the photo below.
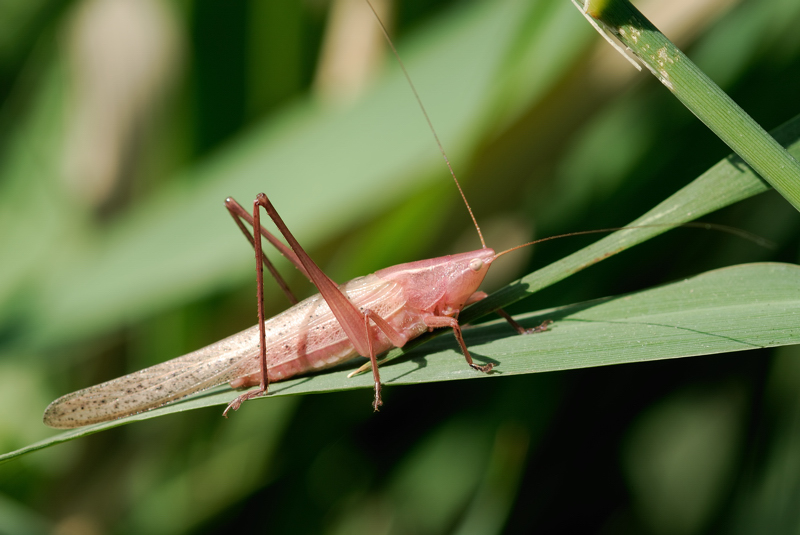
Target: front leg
{"x": 478, "y": 296}
{"x": 446, "y": 321}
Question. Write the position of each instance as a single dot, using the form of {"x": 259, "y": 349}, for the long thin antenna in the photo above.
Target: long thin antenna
{"x": 745, "y": 235}
{"x": 430, "y": 124}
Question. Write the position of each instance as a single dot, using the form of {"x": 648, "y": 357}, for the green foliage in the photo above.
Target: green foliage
{"x": 700, "y": 95}
{"x": 547, "y": 135}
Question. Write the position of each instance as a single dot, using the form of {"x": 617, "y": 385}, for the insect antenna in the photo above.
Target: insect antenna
{"x": 428, "y": 119}
{"x": 755, "y": 238}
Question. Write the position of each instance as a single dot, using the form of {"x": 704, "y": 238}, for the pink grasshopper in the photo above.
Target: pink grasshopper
{"x": 365, "y": 316}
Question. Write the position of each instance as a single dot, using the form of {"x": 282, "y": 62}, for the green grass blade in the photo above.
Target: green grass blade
{"x": 732, "y": 309}
{"x": 699, "y": 94}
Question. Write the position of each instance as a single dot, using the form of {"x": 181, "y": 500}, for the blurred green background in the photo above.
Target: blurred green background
{"x": 125, "y": 124}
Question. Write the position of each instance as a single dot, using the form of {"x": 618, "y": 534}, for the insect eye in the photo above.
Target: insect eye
{"x": 476, "y": 264}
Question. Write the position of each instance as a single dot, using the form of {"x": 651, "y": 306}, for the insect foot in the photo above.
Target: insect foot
{"x": 236, "y": 403}
{"x": 377, "y": 402}
{"x": 545, "y": 326}
{"x": 486, "y": 368}
{"x": 519, "y": 328}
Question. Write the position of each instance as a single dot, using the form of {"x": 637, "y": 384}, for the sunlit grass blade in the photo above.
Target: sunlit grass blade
{"x": 699, "y": 94}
